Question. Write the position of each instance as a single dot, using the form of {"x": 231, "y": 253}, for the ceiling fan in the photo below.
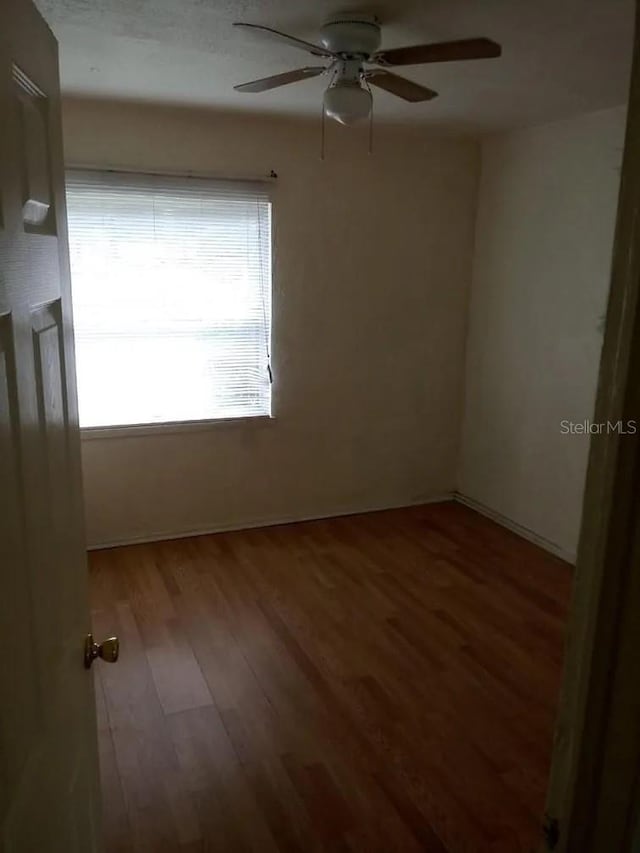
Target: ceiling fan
{"x": 350, "y": 44}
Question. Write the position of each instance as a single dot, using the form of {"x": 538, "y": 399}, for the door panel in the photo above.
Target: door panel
{"x": 31, "y": 125}
{"x": 48, "y": 755}
{"x": 18, "y": 662}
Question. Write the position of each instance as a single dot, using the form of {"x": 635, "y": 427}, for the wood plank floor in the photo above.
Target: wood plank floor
{"x": 382, "y": 682}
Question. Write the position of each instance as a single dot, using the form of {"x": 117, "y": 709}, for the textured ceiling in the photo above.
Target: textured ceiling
{"x": 560, "y": 57}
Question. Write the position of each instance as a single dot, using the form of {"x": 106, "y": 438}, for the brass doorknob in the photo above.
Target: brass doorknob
{"x": 108, "y": 650}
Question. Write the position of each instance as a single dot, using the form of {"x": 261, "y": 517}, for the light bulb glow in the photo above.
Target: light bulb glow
{"x": 347, "y": 102}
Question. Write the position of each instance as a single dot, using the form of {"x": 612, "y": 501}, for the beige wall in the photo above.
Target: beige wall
{"x": 372, "y": 265}
{"x": 543, "y": 247}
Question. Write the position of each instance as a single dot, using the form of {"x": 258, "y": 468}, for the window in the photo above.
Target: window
{"x": 171, "y": 285}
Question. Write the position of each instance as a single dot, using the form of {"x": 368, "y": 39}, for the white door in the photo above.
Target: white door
{"x": 48, "y": 755}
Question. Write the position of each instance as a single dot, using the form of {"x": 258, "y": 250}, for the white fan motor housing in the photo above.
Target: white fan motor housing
{"x": 353, "y": 35}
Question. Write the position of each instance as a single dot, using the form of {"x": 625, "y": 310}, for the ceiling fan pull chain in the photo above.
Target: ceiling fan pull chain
{"x": 322, "y": 133}
{"x": 370, "y": 117}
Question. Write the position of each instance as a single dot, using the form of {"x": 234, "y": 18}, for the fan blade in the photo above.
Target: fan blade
{"x": 445, "y": 51}
{"x": 280, "y": 79}
{"x": 400, "y": 86}
{"x": 276, "y": 35}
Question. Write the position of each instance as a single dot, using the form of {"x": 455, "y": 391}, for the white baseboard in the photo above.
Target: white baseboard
{"x": 521, "y": 530}
{"x": 159, "y": 536}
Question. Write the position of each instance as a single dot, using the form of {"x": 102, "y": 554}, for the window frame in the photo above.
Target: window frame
{"x": 158, "y": 428}
{"x": 172, "y": 427}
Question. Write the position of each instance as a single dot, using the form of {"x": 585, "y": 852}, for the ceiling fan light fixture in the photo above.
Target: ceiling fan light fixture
{"x": 349, "y": 43}
{"x": 347, "y": 102}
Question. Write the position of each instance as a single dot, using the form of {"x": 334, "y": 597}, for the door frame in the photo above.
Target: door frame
{"x": 593, "y": 799}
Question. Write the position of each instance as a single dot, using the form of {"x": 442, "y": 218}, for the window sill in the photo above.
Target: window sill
{"x": 169, "y": 428}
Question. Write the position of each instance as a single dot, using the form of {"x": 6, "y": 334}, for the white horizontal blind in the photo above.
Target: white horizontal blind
{"x": 171, "y": 284}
